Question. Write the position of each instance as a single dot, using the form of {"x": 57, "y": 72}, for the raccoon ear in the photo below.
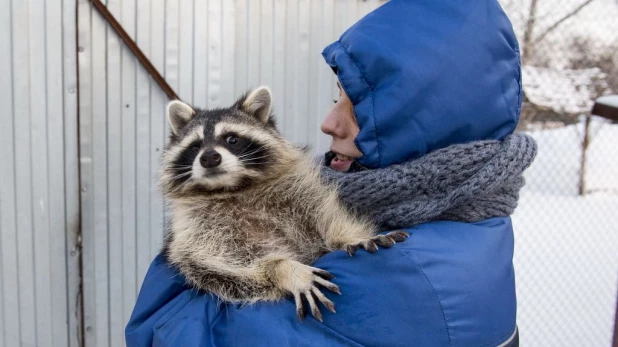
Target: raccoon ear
{"x": 179, "y": 114}
{"x": 257, "y": 103}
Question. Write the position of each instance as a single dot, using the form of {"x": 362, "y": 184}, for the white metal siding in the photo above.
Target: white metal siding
{"x": 39, "y": 199}
{"x": 52, "y": 179}
{"x": 210, "y": 52}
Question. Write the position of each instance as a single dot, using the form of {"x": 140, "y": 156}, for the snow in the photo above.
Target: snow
{"x": 596, "y": 21}
{"x": 563, "y": 91}
{"x": 566, "y": 253}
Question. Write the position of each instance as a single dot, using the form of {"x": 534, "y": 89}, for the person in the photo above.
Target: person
{"x": 422, "y": 140}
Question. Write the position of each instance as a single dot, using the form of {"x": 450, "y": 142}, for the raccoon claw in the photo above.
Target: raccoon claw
{"x": 323, "y": 299}
{"x": 351, "y": 249}
{"x": 372, "y": 244}
{"x": 313, "y": 294}
{"x": 300, "y": 308}
{"x": 398, "y": 236}
{"x": 328, "y": 285}
{"x": 323, "y": 273}
{"x": 310, "y": 297}
{"x": 304, "y": 283}
{"x": 315, "y": 311}
{"x": 368, "y": 245}
{"x": 384, "y": 241}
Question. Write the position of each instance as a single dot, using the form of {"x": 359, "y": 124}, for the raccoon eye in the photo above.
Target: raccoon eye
{"x": 231, "y": 140}
{"x": 196, "y": 146}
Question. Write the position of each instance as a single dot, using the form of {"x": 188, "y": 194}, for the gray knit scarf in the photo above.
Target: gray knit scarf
{"x": 465, "y": 182}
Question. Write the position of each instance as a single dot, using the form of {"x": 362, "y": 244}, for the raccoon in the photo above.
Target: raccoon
{"x": 248, "y": 212}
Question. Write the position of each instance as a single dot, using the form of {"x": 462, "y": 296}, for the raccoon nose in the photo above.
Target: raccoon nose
{"x": 210, "y": 159}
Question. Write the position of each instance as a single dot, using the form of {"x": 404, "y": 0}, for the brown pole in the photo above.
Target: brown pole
{"x": 582, "y": 168}
{"x": 615, "y": 343}
{"x": 135, "y": 49}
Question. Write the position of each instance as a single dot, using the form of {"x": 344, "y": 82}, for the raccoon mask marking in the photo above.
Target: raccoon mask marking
{"x": 223, "y": 149}
{"x": 248, "y": 212}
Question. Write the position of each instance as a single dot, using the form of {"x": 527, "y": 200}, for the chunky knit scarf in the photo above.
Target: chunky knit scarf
{"x": 465, "y": 182}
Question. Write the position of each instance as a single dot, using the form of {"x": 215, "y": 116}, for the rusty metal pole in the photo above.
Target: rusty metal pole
{"x": 607, "y": 107}
{"x": 615, "y": 343}
{"x": 171, "y": 94}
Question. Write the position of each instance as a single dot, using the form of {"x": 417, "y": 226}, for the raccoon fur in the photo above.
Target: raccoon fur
{"x": 248, "y": 212}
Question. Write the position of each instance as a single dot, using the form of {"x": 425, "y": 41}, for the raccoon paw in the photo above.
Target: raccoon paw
{"x": 371, "y": 245}
{"x": 311, "y": 293}
{"x": 304, "y": 283}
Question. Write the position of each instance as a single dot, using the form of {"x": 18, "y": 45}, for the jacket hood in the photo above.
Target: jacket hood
{"x": 425, "y": 74}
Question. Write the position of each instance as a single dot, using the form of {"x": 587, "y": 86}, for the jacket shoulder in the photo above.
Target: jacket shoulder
{"x": 448, "y": 284}
{"x": 470, "y": 268}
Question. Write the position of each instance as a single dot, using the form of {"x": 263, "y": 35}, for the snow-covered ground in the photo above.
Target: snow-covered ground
{"x": 566, "y": 255}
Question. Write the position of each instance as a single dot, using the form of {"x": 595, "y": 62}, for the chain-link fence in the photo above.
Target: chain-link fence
{"x": 566, "y": 225}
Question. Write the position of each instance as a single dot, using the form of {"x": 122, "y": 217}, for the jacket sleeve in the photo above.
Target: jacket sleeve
{"x": 163, "y": 301}
{"x": 448, "y": 284}
{"x": 374, "y": 287}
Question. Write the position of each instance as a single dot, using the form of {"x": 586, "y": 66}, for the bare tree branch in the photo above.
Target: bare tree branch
{"x": 529, "y": 28}
{"x": 557, "y": 24}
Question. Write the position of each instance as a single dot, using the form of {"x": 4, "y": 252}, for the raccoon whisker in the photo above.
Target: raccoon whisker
{"x": 251, "y": 159}
{"x": 250, "y": 153}
{"x": 181, "y": 175}
{"x": 263, "y": 155}
{"x": 256, "y": 158}
{"x": 262, "y": 163}
{"x": 243, "y": 151}
{"x": 181, "y": 171}
{"x": 244, "y": 154}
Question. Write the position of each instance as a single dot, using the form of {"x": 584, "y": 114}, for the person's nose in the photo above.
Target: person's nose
{"x": 331, "y": 124}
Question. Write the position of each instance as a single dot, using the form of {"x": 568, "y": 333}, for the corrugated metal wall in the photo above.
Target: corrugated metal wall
{"x": 59, "y": 171}
{"x": 210, "y": 52}
{"x": 39, "y": 199}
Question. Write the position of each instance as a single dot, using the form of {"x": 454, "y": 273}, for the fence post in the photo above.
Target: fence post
{"x": 585, "y": 144}
{"x": 615, "y": 343}
{"x": 606, "y": 107}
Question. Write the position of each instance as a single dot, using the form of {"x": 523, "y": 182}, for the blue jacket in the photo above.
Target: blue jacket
{"x": 422, "y": 74}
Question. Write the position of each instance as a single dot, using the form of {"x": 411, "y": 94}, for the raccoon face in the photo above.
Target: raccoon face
{"x": 222, "y": 149}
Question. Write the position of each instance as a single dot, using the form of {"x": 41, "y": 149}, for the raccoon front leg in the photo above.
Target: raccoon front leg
{"x": 231, "y": 283}
{"x": 268, "y": 279}
{"x": 304, "y": 282}
{"x": 342, "y": 230}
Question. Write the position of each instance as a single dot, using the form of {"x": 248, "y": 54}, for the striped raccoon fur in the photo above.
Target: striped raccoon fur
{"x": 248, "y": 210}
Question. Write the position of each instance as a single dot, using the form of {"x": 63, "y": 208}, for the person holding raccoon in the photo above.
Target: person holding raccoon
{"x": 267, "y": 248}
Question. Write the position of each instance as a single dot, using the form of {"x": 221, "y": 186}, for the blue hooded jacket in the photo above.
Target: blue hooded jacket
{"x": 422, "y": 75}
